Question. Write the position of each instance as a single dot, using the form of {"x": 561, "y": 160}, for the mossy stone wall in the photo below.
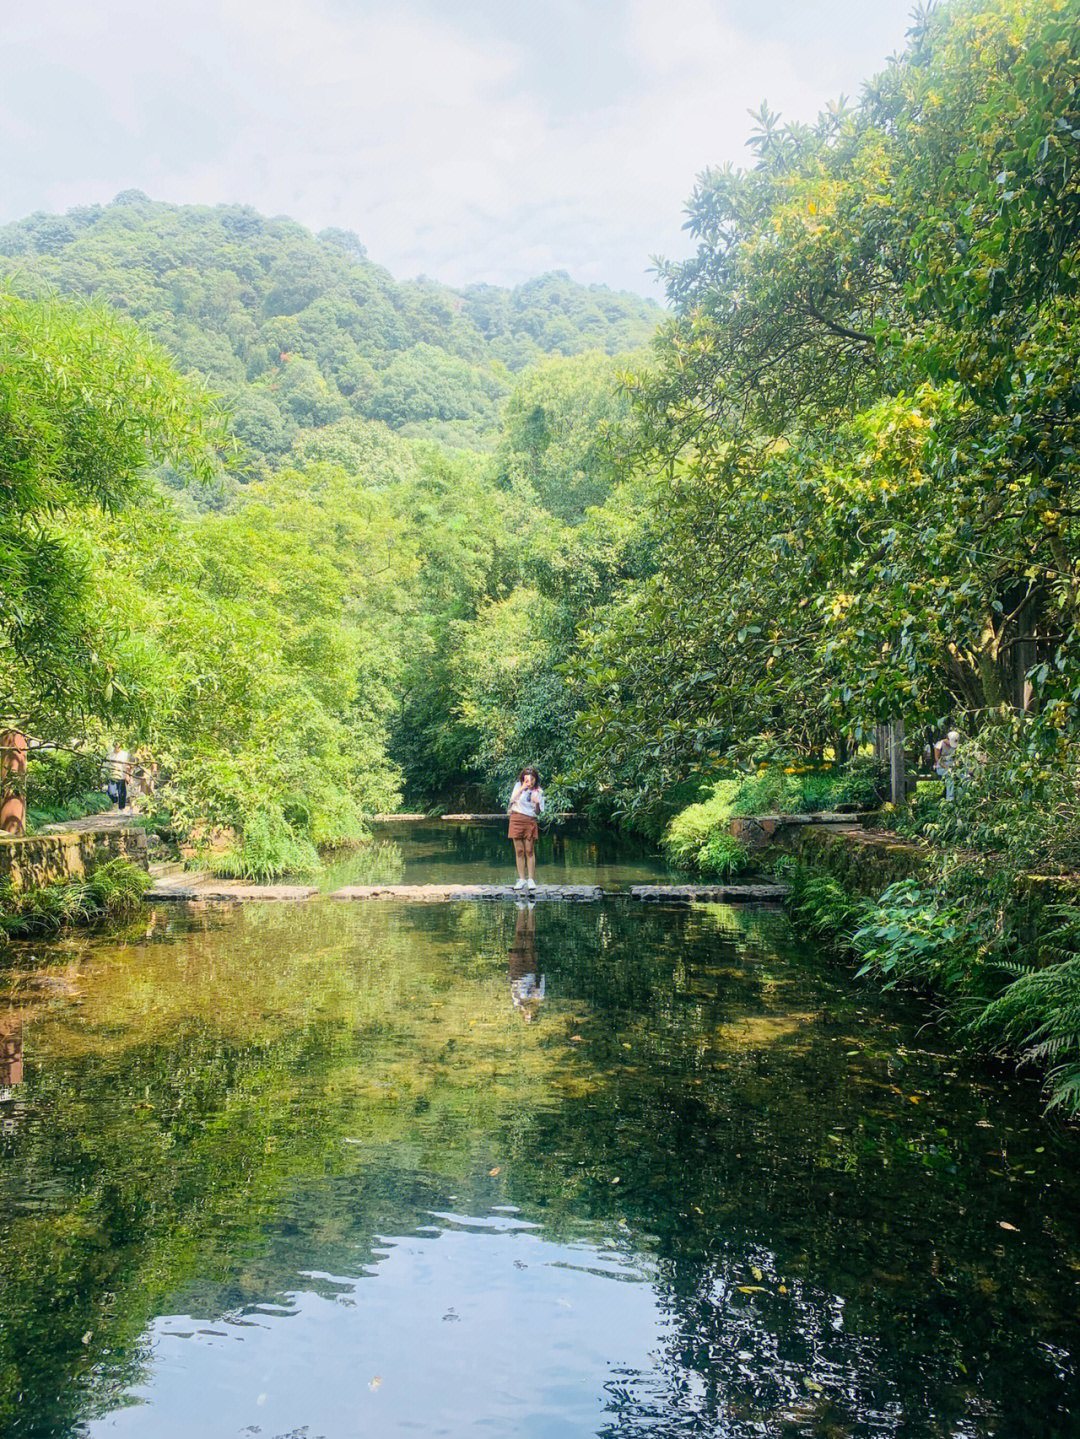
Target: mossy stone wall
{"x": 863, "y": 861}
{"x": 30, "y": 861}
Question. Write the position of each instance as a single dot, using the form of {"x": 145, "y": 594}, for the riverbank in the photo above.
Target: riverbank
{"x": 112, "y": 889}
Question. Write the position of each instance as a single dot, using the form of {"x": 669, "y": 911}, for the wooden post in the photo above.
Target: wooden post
{"x": 897, "y": 777}
{"x": 13, "y": 782}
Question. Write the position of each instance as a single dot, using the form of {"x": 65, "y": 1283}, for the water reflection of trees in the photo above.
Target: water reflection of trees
{"x": 764, "y": 1161}
{"x": 190, "y": 1113}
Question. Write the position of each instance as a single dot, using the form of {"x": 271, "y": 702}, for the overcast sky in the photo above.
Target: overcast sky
{"x": 479, "y": 140}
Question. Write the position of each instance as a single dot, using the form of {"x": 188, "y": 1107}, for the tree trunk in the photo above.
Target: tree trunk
{"x": 13, "y": 782}
{"x": 897, "y": 775}
{"x": 988, "y": 661}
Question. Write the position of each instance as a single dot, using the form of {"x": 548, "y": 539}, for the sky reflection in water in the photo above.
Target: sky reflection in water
{"x": 303, "y": 1171}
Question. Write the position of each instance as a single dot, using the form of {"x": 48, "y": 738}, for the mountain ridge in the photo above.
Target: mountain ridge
{"x": 297, "y": 330}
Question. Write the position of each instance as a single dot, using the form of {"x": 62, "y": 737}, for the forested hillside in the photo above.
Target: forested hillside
{"x": 296, "y": 331}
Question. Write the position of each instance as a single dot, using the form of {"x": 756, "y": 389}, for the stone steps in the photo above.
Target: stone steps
{"x": 226, "y": 891}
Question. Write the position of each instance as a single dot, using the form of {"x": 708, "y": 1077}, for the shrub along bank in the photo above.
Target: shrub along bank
{"x": 698, "y": 836}
{"x": 976, "y": 904}
{"x": 998, "y": 952}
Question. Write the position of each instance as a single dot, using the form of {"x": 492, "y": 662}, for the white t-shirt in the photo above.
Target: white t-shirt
{"x": 527, "y": 987}
{"x": 118, "y": 763}
{"x": 532, "y": 806}
{"x": 947, "y": 747}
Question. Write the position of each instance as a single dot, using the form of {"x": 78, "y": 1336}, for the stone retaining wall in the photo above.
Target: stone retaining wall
{"x": 760, "y": 830}
{"x": 865, "y": 861}
{"x": 28, "y": 861}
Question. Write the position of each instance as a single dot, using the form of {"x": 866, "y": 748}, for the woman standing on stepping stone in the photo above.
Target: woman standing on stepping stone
{"x": 526, "y": 802}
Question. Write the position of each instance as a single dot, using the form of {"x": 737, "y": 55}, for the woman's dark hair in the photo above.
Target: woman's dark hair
{"x": 529, "y": 769}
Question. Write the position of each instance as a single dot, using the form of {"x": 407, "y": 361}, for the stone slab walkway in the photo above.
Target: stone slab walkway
{"x": 197, "y": 886}
{"x": 501, "y": 818}
{"x": 442, "y": 893}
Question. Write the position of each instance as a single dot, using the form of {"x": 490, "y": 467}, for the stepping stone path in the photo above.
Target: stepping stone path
{"x": 440, "y": 893}
{"x": 500, "y": 818}
{"x": 205, "y": 887}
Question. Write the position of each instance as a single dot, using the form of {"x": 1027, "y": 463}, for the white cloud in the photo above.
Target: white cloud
{"x": 678, "y": 36}
{"x": 448, "y": 152}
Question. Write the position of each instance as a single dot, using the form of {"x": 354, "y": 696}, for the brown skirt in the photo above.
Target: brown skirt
{"x": 522, "y": 826}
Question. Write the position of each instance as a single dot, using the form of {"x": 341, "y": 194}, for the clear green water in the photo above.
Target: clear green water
{"x": 437, "y": 853}
{"x": 302, "y": 1171}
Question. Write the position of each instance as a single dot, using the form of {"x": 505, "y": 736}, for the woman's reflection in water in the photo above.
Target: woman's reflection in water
{"x": 526, "y": 983}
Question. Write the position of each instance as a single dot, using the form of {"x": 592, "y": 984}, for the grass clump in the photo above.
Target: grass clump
{"x": 795, "y": 789}
{"x": 113, "y": 891}
{"x": 698, "y": 837}
{"x": 724, "y": 856}
{"x": 268, "y": 848}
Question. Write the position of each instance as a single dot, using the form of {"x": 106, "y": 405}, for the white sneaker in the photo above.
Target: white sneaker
{"x": 520, "y": 884}
{"x": 532, "y": 886}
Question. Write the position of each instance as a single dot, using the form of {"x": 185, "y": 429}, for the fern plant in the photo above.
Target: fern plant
{"x": 1039, "y": 1011}
{"x": 821, "y": 904}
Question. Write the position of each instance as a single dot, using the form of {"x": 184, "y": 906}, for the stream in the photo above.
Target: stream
{"x": 614, "y": 1170}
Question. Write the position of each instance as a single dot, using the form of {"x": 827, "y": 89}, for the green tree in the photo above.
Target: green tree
{"x": 244, "y": 300}
{"x": 863, "y": 417}
{"x": 565, "y": 427}
{"x": 86, "y": 404}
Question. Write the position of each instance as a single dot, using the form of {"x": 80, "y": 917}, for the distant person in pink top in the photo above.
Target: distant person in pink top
{"x": 526, "y": 802}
